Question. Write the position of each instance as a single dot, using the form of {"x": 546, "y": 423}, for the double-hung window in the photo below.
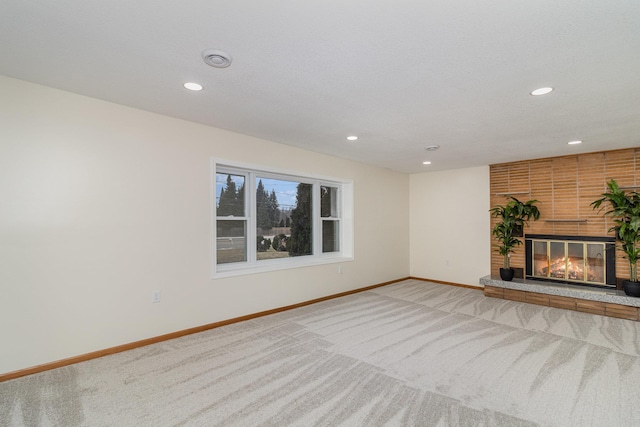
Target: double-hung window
{"x": 269, "y": 220}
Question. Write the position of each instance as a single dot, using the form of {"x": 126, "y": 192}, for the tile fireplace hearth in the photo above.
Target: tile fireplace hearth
{"x": 605, "y": 302}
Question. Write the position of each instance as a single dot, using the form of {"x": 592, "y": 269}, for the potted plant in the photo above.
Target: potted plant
{"x": 625, "y": 213}
{"x": 512, "y": 218}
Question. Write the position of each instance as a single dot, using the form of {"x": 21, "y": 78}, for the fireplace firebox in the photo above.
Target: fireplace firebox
{"x": 580, "y": 260}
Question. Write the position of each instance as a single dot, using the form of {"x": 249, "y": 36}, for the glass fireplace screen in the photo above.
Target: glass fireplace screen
{"x": 571, "y": 260}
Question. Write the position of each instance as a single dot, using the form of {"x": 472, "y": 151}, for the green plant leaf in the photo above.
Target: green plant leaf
{"x": 624, "y": 211}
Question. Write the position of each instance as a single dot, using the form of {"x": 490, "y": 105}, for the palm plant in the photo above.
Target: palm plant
{"x": 512, "y": 218}
{"x": 625, "y": 212}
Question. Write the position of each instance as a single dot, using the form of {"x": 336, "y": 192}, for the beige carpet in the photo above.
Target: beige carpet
{"x": 407, "y": 354}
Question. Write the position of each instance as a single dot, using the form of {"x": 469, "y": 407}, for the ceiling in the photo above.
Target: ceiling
{"x": 401, "y": 75}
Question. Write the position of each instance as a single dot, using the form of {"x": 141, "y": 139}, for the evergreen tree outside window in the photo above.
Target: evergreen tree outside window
{"x": 262, "y": 214}
{"x": 302, "y": 222}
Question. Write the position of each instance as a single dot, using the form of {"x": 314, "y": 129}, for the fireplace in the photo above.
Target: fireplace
{"x": 578, "y": 260}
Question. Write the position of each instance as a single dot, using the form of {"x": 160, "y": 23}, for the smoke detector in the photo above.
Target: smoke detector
{"x": 431, "y": 147}
{"x": 216, "y": 58}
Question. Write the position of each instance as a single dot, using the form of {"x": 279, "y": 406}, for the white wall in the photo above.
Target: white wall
{"x": 449, "y": 225}
{"x": 100, "y": 204}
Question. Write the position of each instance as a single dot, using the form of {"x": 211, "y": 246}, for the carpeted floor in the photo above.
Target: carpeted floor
{"x": 407, "y": 354}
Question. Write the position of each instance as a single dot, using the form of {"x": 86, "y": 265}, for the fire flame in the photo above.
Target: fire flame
{"x": 571, "y": 269}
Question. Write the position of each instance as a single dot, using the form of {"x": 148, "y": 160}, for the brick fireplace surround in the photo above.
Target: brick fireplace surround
{"x": 564, "y": 187}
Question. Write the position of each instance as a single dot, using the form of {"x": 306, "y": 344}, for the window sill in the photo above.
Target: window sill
{"x": 276, "y": 265}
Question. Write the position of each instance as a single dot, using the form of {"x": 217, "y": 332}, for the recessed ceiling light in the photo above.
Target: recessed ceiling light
{"x": 574, "y": 142}
{"x": 542, "y": 91}
{"x": 431, "y": 147}
{"x": 352, "y": 138}
{"x": 193, "y": 86}
{"x": 426, "y": 163}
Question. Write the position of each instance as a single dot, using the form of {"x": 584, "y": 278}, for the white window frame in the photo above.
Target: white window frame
{"x": 252, "y": 265}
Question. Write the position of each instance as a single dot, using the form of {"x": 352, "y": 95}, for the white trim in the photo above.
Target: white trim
{"x": 264, "y": 266}
{"x": 316, "y": 221}
{"x": 296, "y": 175}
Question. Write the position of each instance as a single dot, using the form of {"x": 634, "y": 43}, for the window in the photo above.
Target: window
{"x": 231, "y": 222}
{"x": 330, "y": 219}
{"x": 269, "y": 220}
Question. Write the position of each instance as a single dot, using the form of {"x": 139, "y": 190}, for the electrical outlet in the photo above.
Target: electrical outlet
{"x": 339, "y": 269}
{"x": 155, "y": 296}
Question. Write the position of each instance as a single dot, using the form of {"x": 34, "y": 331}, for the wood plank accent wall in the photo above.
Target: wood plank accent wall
{"x": 565, "y": 187}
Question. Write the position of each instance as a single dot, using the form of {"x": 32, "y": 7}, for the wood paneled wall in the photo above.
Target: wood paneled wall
{"x": 564, "y": 187}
